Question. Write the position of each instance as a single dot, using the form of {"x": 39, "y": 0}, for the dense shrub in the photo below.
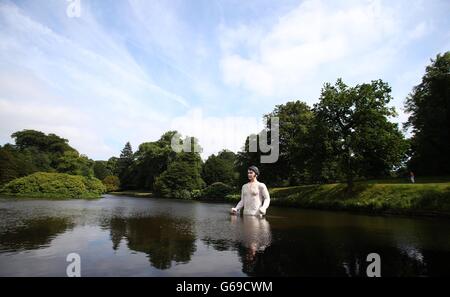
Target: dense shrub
{"x": 196, "y": 194}
{"x": 54, "y": 185}
{"x": 181, "y": 194}
{"x": 112, "y": 183}
{"x": 216, "y": 191}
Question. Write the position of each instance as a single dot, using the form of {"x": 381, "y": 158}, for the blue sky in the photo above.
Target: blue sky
{"x": 131, "y": 70}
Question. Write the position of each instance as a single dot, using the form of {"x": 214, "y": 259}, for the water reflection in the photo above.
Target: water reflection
{"x": 165, "y": 239}
{"x": 254, "y": 237}
{"x": 313, "y": 251}
{"x": 33, "y": 233}
{"x": 155, "y": 237}
{"x": 253, "y": 234}
{"x": 162, "y": 238}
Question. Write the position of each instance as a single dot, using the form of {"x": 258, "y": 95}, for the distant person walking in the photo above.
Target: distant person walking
{"x": 255, "y": 197}
{"x": 411, "y": 176}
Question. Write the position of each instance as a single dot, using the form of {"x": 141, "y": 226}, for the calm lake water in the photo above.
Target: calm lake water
{"x": 127, "y": 236}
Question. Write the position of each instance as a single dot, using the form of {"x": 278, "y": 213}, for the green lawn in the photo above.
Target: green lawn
{"x": 383, "y": 196}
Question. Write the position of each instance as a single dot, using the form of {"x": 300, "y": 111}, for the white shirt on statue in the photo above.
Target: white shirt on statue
{"x": 255, "y": 199}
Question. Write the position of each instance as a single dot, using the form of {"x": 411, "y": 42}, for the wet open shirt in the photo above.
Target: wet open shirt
{"x": 255, "y": 198}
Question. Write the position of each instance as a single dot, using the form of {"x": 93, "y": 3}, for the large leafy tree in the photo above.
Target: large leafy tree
{"x": 140, "y": 169}
{"x": 152, "y": 158}
{"x": 74, "y": 163}
{"x": 35, "y": 151}
{"x": 111, "y": 165}
{"x": 49, "y": 147}
{"x": 13, "y": 164}
{"x": 429, "y": 108}
{"x": 182, "y": 176}
{"x": 220, "y": 168}
{"x": 355, "y": 127}
{"x": 101, "y": 169}
{"x": 295, "y": 120}
{"x": 322, "y": 164}
{"x": 48, "y": 143}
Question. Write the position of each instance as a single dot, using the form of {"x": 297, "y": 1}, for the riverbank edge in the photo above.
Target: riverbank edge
{"x": 52, "y": 196}
{"x": 427, "y": 199}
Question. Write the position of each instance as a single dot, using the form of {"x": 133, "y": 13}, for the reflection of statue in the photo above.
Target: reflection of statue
{"x": 254, "y": 234}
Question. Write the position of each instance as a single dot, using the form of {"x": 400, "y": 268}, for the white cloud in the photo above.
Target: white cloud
{"x": 87, "y": 88}
{"x": 317, "y": 42}
{"x": 68, "y": 123}
{"x": 129, "y": 71}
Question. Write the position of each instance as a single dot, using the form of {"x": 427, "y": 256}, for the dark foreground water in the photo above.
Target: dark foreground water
{"x": 126, "y": 236}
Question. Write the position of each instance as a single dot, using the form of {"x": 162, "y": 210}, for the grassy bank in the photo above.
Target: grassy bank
{"x": 395, "y": 198}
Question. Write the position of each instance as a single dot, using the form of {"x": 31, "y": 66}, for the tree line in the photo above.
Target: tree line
{"x": 346, "y": 136}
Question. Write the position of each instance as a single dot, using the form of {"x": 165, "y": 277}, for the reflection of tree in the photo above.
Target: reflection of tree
{"x": 33, "y": 233}
{"x": 219, "y": 244}
{"x": 163, "y": 239}
{"x": 118, "y": 229}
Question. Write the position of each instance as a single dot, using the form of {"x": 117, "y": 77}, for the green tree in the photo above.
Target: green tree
{"x": 429, "y": 108}
{"x": 50, "y": 144}
{"x": 295, "y": 121}
{"x": 182, "y": 176}
{"x": 125, "y": 167}
{"x": 291, "y": 168}
{"x": 111, "y": 165}
{"x": 322, "y": 165}
{"x": 152, "y": 158}
{"x": 33, "y": 151}
{"x": 101, "y": 169}
{"x": 274, "y": 174}
{"x": 220, "y": 168}
{"x": 72, "y": 162}
{"x": 355, "y": 125}
{"x": 15, "y": 163}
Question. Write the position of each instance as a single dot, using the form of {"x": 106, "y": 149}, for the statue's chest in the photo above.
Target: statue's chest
{"x": 253, "y": 191}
